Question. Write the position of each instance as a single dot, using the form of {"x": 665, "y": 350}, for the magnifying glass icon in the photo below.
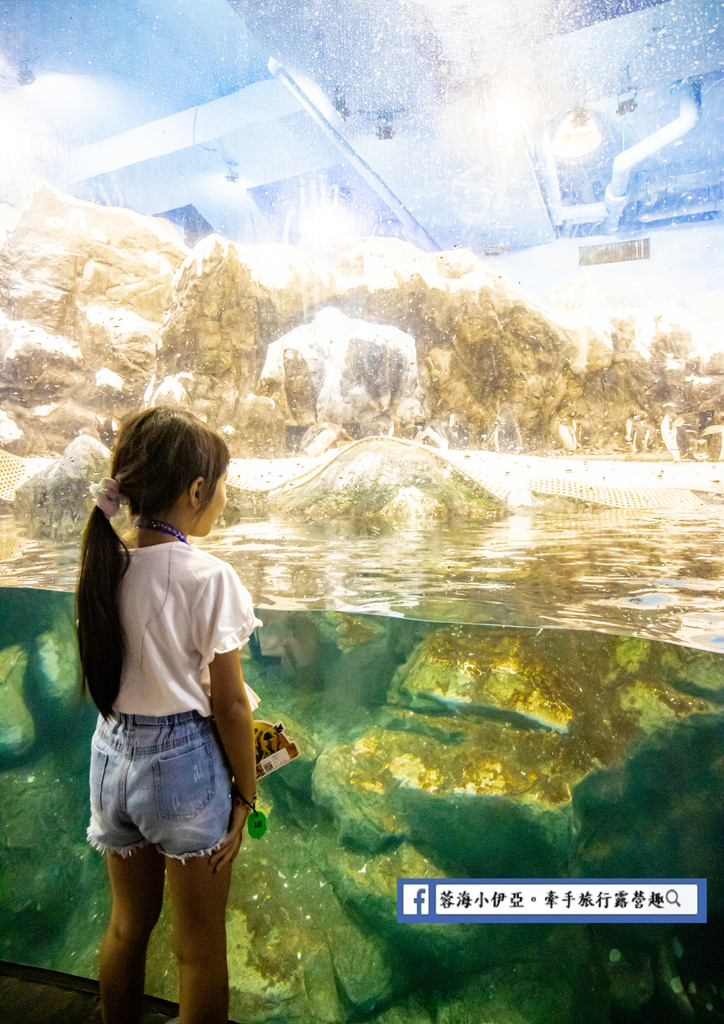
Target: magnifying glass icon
{"x": 675, "y": 900}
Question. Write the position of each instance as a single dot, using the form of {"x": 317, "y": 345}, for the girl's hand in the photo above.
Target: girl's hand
{"x": 227, "y": 852}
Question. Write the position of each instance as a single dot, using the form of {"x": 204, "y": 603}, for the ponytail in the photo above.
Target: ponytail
{"x": 104, "y": 560}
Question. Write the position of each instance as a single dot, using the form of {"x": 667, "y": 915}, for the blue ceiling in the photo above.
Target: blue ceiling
{"x": 429, "y": 119}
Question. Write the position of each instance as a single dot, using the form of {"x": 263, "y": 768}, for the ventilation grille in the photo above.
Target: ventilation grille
{"x": 615, "y": 252}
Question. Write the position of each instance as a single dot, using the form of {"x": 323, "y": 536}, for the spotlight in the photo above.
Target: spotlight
{"x": 626, "y": 104}
{"x": 340, "y": 103}
{"x": 383, "y": 128}
{"x": 577, "y": 136}
{"x": 26, "y": 75}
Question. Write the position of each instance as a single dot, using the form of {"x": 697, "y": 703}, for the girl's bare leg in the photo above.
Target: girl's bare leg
{"x": 199, "y": 900}
{"x": 137, "y": 891}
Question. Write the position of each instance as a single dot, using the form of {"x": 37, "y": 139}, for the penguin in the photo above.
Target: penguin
{"x": 567, "y": 433}
{"x": 673, "y": 433}
{"x": 504, "y": 435}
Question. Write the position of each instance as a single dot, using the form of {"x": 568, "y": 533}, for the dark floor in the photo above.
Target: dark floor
{"x": 32, "y": 996}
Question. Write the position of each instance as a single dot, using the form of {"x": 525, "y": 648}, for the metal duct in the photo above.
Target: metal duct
{"x": 262, "y": 101}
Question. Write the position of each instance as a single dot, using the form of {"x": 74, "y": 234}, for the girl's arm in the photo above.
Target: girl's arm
{"x": 232, "y": 714}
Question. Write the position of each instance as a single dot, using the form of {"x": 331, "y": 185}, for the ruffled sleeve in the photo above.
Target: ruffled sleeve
{"x": 223, "y": 618}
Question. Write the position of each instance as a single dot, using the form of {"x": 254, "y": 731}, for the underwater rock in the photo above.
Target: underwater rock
{"x": 17, "y": 731}
{"x": 295, "y": 951}
{"x": 56, "y": 500}
{"x": 496, "y": 728}
{"x": 358, "y": 672}
{"x": 362, "y": 965}
{"x": 474, "y": 796}
{"x": 344, "y": 371}
{"x": 696, "y": 672}
{"x": 556, "y": 984}
{"x": 660, "y": 814}
{"x": 455, "y": 673}
{"x": 385, "y": 478}
{"x": 424, "y": 953}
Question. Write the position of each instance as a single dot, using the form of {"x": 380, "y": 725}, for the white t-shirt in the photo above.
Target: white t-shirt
{"x": 179, "y": 607}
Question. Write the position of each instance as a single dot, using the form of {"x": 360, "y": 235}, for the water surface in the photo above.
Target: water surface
{"x": 658, "y": 574}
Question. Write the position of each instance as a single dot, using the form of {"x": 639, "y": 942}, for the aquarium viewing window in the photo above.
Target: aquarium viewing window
{"x": 447, "y": 274}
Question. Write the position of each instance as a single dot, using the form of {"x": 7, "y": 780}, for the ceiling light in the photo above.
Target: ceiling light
{"x": 509, "y": 113}
{"x": 577, "y": 136}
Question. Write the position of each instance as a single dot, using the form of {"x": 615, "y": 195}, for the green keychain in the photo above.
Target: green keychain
{"x": 256, "y": 821}
{"x": 256, "y": 824}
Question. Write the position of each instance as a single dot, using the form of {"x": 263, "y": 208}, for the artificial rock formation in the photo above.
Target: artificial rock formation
{"x": 102, "y": 309}
{"x": 229, "y": 303}
{"x": 83, "y": 291}
{"x": 56, "y": 500}
{"x": 386, "y": 479}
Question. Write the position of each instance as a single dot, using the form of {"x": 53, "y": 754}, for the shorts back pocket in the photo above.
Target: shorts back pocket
{"x": 98, "y": 768}
{"x": 184, "y": 782}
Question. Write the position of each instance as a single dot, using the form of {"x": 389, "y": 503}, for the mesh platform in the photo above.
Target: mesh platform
{"x": 265, "y": 475}
{"x": 12, "y": 472}
{"x": 643, "y": 498}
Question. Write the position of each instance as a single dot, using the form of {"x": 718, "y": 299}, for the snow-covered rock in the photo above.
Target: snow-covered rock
{"x": 344, "y": 370}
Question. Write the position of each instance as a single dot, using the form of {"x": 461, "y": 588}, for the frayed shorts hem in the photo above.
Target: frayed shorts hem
{"x": 126, "y": 851}
{"x": 119, "y": 851}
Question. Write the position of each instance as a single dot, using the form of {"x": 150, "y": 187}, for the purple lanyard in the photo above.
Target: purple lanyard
{"x": 159, "y": 527}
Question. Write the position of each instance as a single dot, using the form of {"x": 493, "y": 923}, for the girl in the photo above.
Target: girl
{"x": 160, "y": 625}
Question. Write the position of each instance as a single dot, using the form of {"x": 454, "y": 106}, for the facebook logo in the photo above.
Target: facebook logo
{"x": 416, "y": 899}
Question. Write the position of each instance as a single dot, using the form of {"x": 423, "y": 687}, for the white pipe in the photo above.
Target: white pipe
{"x": 584, "y": 213}
{"x": 261, "y": 101}
{"x": 616, "y": 192}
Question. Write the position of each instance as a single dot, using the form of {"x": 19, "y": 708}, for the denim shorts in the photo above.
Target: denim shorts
{"x": 160, "y": 781}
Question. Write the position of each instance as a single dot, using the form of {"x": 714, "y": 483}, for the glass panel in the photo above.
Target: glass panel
{"x": 427, "y": 750}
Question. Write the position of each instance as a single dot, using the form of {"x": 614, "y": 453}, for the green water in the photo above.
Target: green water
{"x": 427, "y": 749}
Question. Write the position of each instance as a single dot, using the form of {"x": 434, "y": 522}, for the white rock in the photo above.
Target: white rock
{"x": 173, "y": 389}
{"x": 356, "y": 370}
{"x": 9, "y": 430}
{"x": 106, "y": 378}
{"x": 29, "y": 339}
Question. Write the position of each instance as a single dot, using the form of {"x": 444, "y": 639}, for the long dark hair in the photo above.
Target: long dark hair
{"x": 157, "y": 456}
